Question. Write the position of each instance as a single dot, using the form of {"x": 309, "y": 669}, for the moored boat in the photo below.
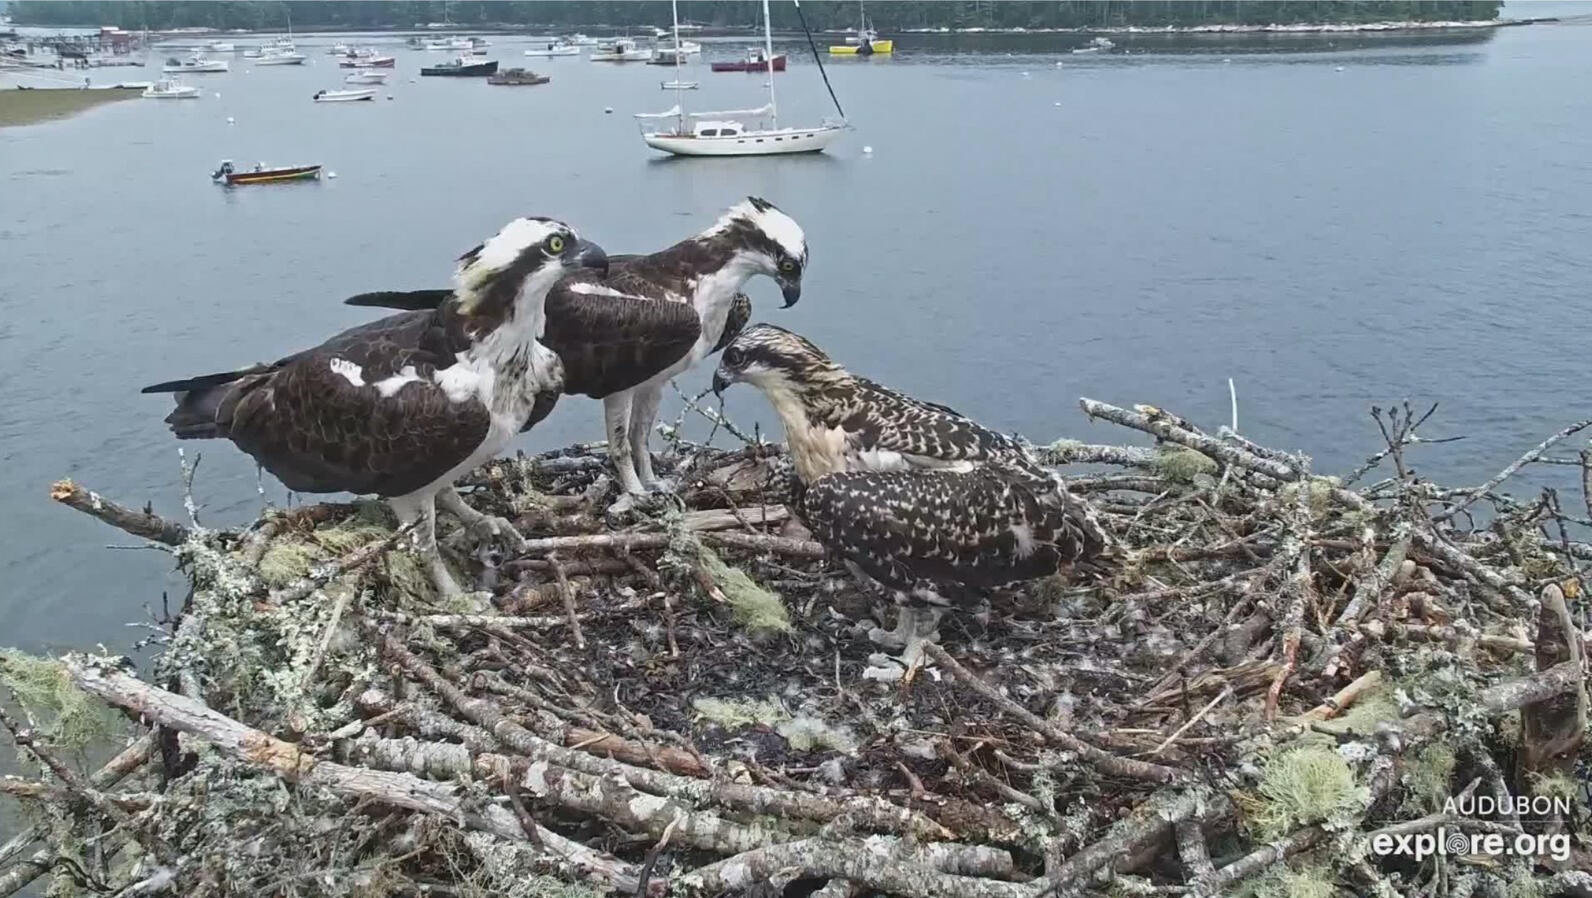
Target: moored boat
{"x": 560, "y": 47}
{"x": 170, "y": 89}
{"x": 366, "y": 77}
{"x": 220, "y": 47}
{"x": 280, "y": 57}
{"x": 196, "y": 63}
{"x": 864, "y": 42}
{"x": 264, "y": 174}
{"x": 373, "y": 61}
{"x": 755, "y": 60}
{"x": 345, "y": 96}
{"x": 1097, "y": 45}
{"x": 518, "y": 77}
{"x": 462, "y": 67}
{"x": 621, "y": 50}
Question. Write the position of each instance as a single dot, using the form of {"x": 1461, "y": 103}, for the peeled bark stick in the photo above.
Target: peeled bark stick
{"x": 1465, "y": 564}
{"x": 1552, "y": 730}
{"x": 1509, "y": 471}
{"x": 865, "y": 811}
{"x": 609, "y": 797}
{"x": 1169, "y": 431}
{"x": 1106, "y": 761}
{"x": 289, "y": 762}
{"x": 145, "y": 524}
{"x": 1522, "y": 691}
{"x": 879, "y": 867}
{"x": 1345, "y": 697}
{"x": 1369, "y": 588}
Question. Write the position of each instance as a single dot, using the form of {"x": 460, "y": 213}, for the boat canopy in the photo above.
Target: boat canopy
{"x": 675, "y": 113}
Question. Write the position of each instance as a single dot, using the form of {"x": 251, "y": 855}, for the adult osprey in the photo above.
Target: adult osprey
{"x": 621, "y": 337}
{"x": 912, "y": 495}
{"x": 403, "y": 406}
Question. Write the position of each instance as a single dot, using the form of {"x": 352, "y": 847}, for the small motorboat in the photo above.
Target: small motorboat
{"x": 753, "y": 61}
{"x": 1098, "y": 45}
{"x": 581, "y": 40}
{"x": 668, "y": 56}
{"x": 518, "y": 77}
{"x": 280, "y": 57}
{"x": 264, "y": 174}
{"x": 366, "y": 77}
{"x": 678, "y": 85}
{"x": 439, "y": 44}
{"x": 170, "y": 89}
{"x": 345, "y": 96}
{"x": 560, "y": 47}
{"x": 341, "y": 50}
{"x": 462, "y": 68}
{"x": 622, "y": 50}
{"x": 372, "y": 61}
{"x": 220, "y": 47}
{"x": 194, "y": 63}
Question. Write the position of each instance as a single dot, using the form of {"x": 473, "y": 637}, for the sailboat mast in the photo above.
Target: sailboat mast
{"x": 679, "y": 88}
{"x": 768, "y": 59}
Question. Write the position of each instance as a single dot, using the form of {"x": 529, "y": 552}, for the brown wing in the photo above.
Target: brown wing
{"x": 612, "y": 340}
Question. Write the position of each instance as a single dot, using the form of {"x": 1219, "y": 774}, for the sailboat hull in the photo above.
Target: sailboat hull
{"x": 755, "y": 143}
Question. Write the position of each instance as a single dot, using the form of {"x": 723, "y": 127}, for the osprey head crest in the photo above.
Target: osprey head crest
{"x": 772, "y": 240}
{"x": 526, "y": 258}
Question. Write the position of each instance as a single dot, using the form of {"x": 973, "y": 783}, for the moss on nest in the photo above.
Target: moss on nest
{"x": 1300, "y": 787}
{"x": 1182, "y": 465}
{"x": 64, "y": 715}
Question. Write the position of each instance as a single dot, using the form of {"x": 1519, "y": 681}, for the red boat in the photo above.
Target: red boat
{"x": 754, "y": 61}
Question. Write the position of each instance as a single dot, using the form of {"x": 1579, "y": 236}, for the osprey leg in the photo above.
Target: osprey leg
{"x": 616, "y": 414}
{"x": 482, "y": 526}
{"x": 643, "y": 416}
{"x": 914, "y": 624}
{"x": 424, "y": 536}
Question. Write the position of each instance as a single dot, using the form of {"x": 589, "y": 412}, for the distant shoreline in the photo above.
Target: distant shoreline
{"x": 729, "y": 31}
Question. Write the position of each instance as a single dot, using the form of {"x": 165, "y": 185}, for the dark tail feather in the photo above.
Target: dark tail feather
{"x": 203, "y": 381}
{"x": 194, "y": 418}
{"x": 199, "y": 401}
{"x": 406, "y": 300}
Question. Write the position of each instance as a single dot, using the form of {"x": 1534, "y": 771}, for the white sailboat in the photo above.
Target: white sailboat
{"x": 724, "y": 133}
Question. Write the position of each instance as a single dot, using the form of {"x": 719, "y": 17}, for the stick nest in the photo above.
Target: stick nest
{"x": 682, "y": 700}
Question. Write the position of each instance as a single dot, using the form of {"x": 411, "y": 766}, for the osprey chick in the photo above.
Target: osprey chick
{"x": 912, "y": 495}
{"x": 403, "y": 406}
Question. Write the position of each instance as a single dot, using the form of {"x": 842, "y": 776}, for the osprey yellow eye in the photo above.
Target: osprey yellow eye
{"x": 787, "y": 266}
{"x": 555, "y": 244}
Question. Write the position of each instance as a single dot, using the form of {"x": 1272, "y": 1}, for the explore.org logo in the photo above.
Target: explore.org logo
{"x": 1451, "y": 841}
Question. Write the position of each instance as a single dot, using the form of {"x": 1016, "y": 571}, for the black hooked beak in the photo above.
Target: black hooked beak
{"x": 590, "y": 255}
{"x": 792, "y": 291}
{"x": 720, "y": 382}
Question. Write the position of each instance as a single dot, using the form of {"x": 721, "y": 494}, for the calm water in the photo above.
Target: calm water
{"x": 1135, "y": 228}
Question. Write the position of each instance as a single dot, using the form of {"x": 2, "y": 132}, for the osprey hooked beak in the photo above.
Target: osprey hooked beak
{"x": 791, "y": 289}
{"x": 589, "y": 255}
{"x": 721, "y": 382}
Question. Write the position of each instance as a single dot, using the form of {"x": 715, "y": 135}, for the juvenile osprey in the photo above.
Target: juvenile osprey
{"x": 912, "y": 495}
{"x": 623, "y": 336}
{"x": 403, "y": 406}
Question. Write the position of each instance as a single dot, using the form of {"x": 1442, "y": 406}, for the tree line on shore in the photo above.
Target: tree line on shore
{"x": 819, "y": 14}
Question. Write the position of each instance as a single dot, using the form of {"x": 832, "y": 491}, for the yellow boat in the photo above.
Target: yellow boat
{"x": 878, "y": 46}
